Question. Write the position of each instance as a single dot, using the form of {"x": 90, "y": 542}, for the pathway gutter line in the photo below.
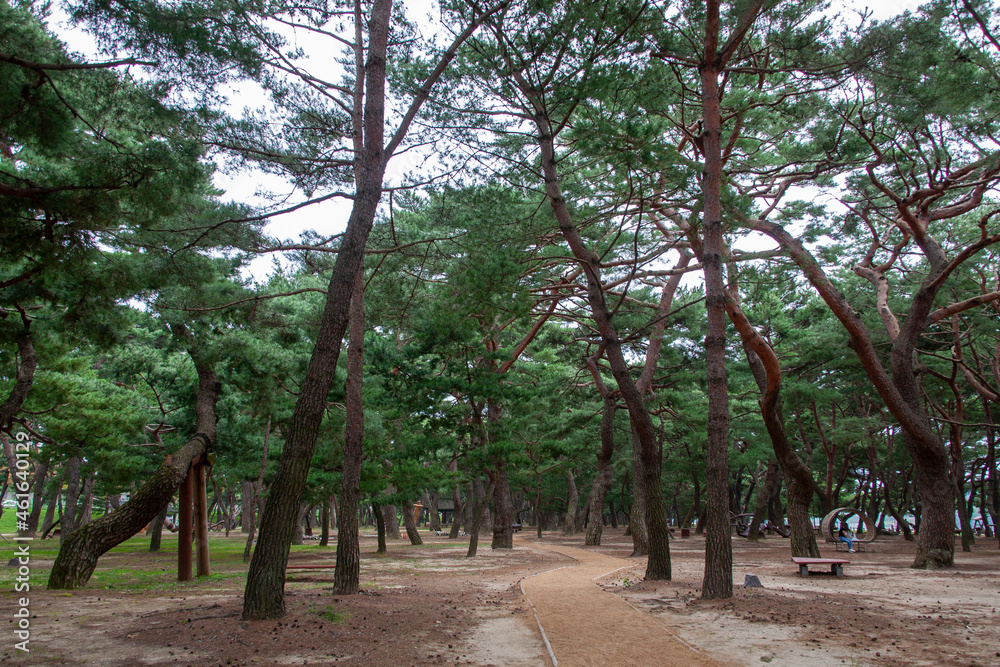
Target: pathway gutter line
{"x": 545, "y": 639}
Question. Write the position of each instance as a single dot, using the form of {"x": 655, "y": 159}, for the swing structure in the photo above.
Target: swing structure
{"x": 842, "y": 514}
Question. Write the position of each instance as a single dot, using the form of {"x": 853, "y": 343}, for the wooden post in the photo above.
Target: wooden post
{"x": 184, "y": 529}
{"x": 201, "y": 518}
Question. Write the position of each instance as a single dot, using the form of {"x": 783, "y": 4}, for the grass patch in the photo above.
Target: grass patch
{"x": 334, "y": 616}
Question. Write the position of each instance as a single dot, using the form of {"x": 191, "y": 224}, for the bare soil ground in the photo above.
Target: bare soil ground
{"x": 429, "y": 605}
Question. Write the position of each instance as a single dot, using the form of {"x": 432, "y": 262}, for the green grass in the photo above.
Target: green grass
{"x": 8, "y": 522}
{"x": 332, "y": 615}
{"x": 130, "y": 566}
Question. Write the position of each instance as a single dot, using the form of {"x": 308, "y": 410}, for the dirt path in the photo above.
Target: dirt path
{"x": 585, "y": 625}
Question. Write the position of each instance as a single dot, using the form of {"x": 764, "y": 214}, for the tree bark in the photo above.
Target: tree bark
{"x": 72, "y": 500}
{"x": 410, "y": 523}
{"x": 434, "y": 522}
{"x": 299, "y": 536}
{"x": 25, "y": 374}
{"x": 901, "y": 393}
{"x": 347, "y": 575}
{"x": 391, "y": 518}
{"x": 50, "y": 504}
{"x": 264, "y": 594}
{"x": 255, "y": 501}
{"x": 572, "y": 500}
{"x": 718, "y": 580}
{"x": 637, "y": 515}
{"x": 456, "y": 521}
{"x": 602, "y": 481}
{"x": 503, "y": 509}
{"x": 766, "y": 369}
{"x": 764, "y": 492}
{"x": 38, "y": 497}
{"x": 380, "y": 529}
{"x": 78, "y": 555}
{"x": 156, "y": 532}
{"x": 480, "y": 501}
{"x": 248, "y": 504}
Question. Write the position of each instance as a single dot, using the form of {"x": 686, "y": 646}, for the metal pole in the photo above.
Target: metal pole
{"x": 185, "y": 500}
{"x": 201, "y": 519}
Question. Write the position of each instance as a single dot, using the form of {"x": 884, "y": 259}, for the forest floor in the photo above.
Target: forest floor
{"x": 429, "y": 605}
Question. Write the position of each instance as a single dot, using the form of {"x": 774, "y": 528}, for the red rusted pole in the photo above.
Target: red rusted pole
{"x": 201, "y": 519}
{"x": 185, "y": 501}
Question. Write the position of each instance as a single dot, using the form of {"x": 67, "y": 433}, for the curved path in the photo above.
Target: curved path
{"x": 583, "y": 624}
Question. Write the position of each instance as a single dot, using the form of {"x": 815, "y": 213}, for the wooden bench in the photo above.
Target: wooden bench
{"x": 836, "y": 565}
{"x": 302, "y": 568}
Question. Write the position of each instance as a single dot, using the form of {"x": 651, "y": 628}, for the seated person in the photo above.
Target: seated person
{"x": 845, "y": 535}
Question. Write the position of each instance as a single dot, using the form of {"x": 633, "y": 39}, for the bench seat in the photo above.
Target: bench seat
{"x": 836, "y": 565}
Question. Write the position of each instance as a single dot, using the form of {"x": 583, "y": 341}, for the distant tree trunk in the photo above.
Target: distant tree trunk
{"x": 764, "y": 492}
{"x": 479, "y": 502}
{"x": 572, "y": 500}
{"x": 637, "y": 516}
{"x": 298, "y": 537}
{"x": 766, "y": 369}
{"x": 602, "y": 481}
{"x": 379, "y": 514}
{"x": 247, "y": 503}
{"x": 391, "y": 518}
{"x": 86, "y": 511}
{"x": 38, "y": 497}
{"x": 503, "y": 509}
{"x": 72, "y": 500}
{"x": 251, "y": 507}
{"x": 25, "y": 373}
{"x": 992, "y": 480}
{"x": 411, "y": 525}
{"x": 434, "y": 522}
{"x": 78, "y": 555}
{"x": 156, "y": 529}
{"x": 324, "y": 519}
{"x": 51, "y": 503}
{"x": 456, "y": 522}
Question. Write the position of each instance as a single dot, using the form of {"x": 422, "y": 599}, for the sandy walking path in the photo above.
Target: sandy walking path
{"x": 586, "y": 625}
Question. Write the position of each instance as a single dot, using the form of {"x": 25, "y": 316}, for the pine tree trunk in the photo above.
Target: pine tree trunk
{"x": 410, "y": 523}
{"x": 457, "y": 514}
{"x": 503, "y": 509}
{"x": 637, "y": 517}
{"x": 25, "y": 373}
{"x": 38, "y": 497}
{"x": 380, "y": 529}
{"x": 434, "y": 523}
{"x": 156, "y": 529}
{"x": 324, "y": 519}
{"x": 79, "y": 554}
{"x": 603, "y": 479}
{"x": 766, "y": 369}
{"x": 50, "y": 506}
{"x": 480, "y": 501}
{"x": 572, "y": 500}
{"x": 391, "y": 518}
{"x": 298, "y": 536}
{"x": 264, "y": 594}
{"x": 717, "y": 582}
{"x": 764, "y": 492}
{"x": 72, "y": 499}
{"x": 248, "y": 505}
{"x": 255, "y": 497}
